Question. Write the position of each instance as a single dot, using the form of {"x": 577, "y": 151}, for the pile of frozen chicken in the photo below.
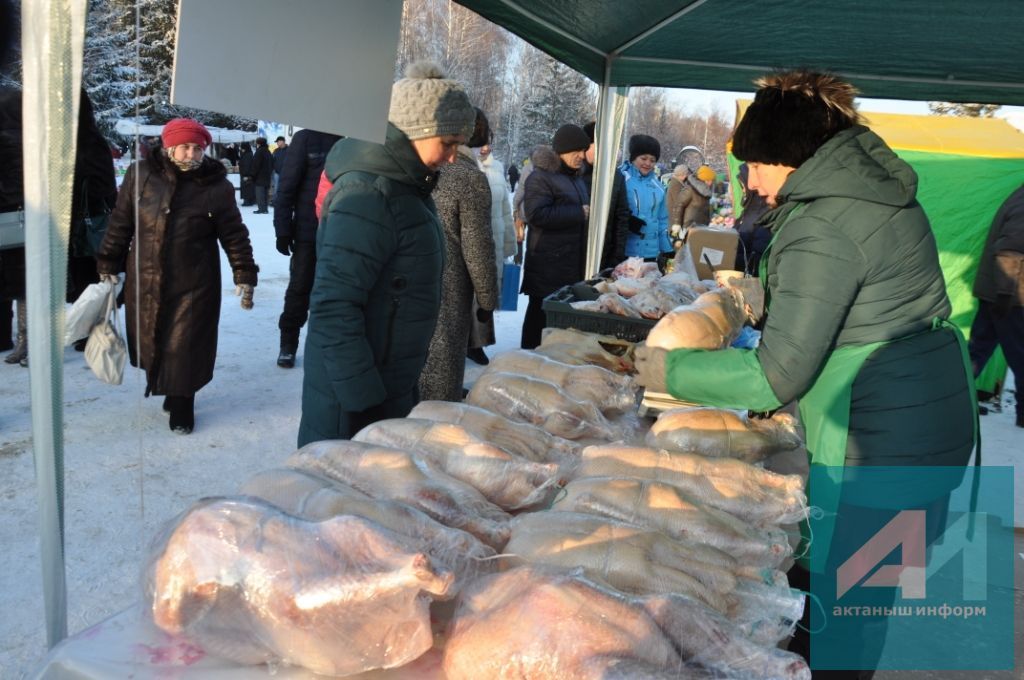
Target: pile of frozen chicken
{"x": 541, "y": 529}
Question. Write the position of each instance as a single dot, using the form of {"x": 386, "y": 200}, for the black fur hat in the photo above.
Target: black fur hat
{"x": 641, "y": 144}
{"x": 793, "y": 114}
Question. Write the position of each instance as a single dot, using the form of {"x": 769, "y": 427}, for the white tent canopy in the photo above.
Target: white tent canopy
{"x": 220, "y": 135}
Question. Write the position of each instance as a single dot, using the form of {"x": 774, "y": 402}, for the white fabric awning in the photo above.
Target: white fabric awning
{"x": 220, "y": 135}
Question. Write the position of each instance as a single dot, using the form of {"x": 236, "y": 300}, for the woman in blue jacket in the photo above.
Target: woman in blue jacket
{"x": 648, "y": 228}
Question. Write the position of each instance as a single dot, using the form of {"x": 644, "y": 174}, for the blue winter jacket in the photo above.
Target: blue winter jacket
{"x": 646, "y": 197}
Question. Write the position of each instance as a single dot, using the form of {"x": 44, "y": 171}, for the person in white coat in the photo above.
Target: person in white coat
{"x": 503, "y": 230}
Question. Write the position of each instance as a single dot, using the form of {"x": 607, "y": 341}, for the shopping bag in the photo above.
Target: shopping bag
{"x": 509, "y": 287}
{"x": 89, "y": 309}
{"x": 105, "y": 351}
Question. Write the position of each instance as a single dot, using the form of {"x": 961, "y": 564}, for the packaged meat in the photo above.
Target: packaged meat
{"x": 522, "y": 439}
{"x": 712, "y": 321}
{"x": 317, "y": 498}
{"x": 578, "y": 347}
{"x": 766, "y": 609}
{"x": 396, "y": 475}
{"x": 609, "y": 391}
{"x": 658, "y": 301}
{"x": 715, "y": 432}
{"x": 505, "y": 479}
{"x": 543, "y": 404}
{"x": 542, "y": 624}
{"x": 750, "y": 493}
{"x": 663, "y": 507}
{"x": 626, "y": 288}
{"x": 625, "y": 556}
{"x": 247, "y": 582}
{"x": 635, "y": 268}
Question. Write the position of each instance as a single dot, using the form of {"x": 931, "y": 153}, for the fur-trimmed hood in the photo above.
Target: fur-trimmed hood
{"x": 209, "y": 171}
{"x": 545, "y": 158}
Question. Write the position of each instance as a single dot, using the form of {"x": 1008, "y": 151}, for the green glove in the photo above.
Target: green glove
{"x": 650, "y": 367}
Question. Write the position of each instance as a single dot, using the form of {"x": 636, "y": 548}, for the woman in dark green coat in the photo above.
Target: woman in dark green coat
{"x": 856, "y": 303}
{"x": 380, "y": 253}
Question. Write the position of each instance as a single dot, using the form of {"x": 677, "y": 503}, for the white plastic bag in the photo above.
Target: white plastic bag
{"x": 106, "y": 352}
{"x": 87, "y": 311}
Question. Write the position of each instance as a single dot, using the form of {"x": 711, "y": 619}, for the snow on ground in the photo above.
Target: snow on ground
{"x": 126, "y": 474}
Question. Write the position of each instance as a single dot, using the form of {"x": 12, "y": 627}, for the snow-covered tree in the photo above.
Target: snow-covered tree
{"x": 965, "y": 110}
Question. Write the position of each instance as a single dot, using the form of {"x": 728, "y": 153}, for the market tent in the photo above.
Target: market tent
{"x": 220, "y": 135}
{"x": 966, "y": 168}
{"x": 913, "y": 49}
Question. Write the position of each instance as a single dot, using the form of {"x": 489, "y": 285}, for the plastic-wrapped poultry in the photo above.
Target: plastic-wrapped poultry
{"x": 627, "y": 557}
{"x": 715, "y": 432}
{"x": 626, "y": 288}
{"x": 664, "y": 507}
{"x": 578, "y": 347}
{"x": 712, "y": 321}
{"x": 750, "y": 493}
{"x": 543, "y": 404}
{"x": 508, "y": 481}
{"x": 396, "y": 475}
{"x": 316, "y": 498}
{"x": 635, "y": 268}
{"x": 658, "y": 301}
{"x": 519, "y": 438}
{"x": 247, "y": 582}
{"x": 609, "y": 391}
{"x": 547, "y": 625}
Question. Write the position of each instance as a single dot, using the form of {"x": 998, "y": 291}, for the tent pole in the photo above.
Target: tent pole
{"x": 611, "y": 118}
{"x": 53, "y": 33}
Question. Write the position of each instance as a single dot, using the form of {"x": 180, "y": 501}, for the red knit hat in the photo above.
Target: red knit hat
{"x": 185, "y": 131}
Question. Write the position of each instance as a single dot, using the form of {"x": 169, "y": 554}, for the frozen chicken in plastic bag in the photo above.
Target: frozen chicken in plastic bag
{"x": 610, "y": 392}
{"x": 712, "y": 321}
{"x": 715, "y": 432}
{"x": 316, "y": 498}
{"x": 545, "y": 624}
{"x": 247, "y": 582}
{"x": 396, "y": 475}
{"x": 505, "y": 479}
{"x": 578, "y": 348}
{"x": 543, "y": 404}
{"x": 664, "y": 507}
{"x": 522, "y": 439}
{"x": 750, "y": 493}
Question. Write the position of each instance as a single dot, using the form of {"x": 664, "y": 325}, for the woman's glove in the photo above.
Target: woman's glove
{"x": 244, "y": 290}
{"x": 650, "y": 367}
{"x": 484, "y": 315}
{"x": 636, "y": 225}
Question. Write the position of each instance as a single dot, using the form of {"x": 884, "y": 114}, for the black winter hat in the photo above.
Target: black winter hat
{"x": 794, "y": 113}
{"x": 570, "y": 137}
{"x": 643, "y": 144}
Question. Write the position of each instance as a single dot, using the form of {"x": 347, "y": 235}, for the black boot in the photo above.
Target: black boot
{"x": 477, "y": 355}
{"x": 289, "y": 348}
{"x": 183, "y": 417}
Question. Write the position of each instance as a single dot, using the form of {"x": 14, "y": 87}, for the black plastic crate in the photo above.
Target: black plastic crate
{"x": 560, "y": 314}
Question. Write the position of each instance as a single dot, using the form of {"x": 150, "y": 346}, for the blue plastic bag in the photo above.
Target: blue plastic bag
{"x": 509, "y": 287}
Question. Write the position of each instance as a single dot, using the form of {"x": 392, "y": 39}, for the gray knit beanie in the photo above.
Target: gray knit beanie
{"x": 426, "y": 104}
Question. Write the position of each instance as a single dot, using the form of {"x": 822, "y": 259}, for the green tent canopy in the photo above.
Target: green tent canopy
{"x": 912, "y": 49}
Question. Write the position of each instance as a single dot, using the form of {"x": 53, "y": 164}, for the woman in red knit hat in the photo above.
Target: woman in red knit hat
{"x": 185, "y": 206}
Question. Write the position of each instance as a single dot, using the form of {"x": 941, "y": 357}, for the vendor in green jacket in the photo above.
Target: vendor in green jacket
{"x": 380, "y": 253}
{"x": 855, "y": 301}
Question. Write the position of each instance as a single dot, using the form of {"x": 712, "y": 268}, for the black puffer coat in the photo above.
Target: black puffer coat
{"x": 1001, "y": 268}
{"x": 294, "y": 212}
{"x": 262, "y": 167}
{"x": 553, "y": 201}
{"x": 175, "y": 296}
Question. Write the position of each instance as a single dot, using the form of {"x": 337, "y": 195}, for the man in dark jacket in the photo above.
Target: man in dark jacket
{"x": 557, "y": 206}
{"x": 513, "y": 175}
{"x": 295, "y": 226}
{"x": 380, "y": 254}
{"x": 999, "y": 287}
{"x": 247, "y": 190}
{"x": 279, "y": 154}
{"x": 260, "y": 171}
{"x": 614, "y": 249}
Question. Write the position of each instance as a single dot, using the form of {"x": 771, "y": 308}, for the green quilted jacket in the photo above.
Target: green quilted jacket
{"x": 377, "y": 288}
{"x": 854, "y": 261}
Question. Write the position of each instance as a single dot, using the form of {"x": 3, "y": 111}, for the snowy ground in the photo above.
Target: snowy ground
{"x": 126, "y": 474}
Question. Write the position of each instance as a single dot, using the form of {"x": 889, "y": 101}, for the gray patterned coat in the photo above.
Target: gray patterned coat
{"x": 463, "y": 199}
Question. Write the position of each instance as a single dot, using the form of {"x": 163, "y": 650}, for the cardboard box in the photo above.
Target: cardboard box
{"x": 714, "y": 244}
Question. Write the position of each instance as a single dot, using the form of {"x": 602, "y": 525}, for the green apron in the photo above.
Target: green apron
{"x": 825, "y": 415}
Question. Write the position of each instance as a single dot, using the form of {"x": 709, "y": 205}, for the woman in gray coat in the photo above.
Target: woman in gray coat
{"x": 463, "y": 199}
